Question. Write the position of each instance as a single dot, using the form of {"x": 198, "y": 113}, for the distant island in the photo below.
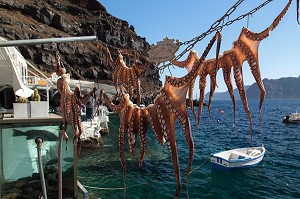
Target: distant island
{"x": 283, "y": 88}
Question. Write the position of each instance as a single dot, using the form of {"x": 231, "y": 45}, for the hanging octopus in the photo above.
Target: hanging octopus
{"x": 71, "y": 114}
{"x": 70, "y": 102}
{"x": 127, "y": 77}
{"x": 244, "y": 49}
{"x": 168, "y": 106}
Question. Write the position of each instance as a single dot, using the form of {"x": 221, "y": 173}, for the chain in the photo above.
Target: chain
{"x": 217, "y": 26}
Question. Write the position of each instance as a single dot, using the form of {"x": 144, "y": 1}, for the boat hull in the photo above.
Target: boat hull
{"x": 288, "y": 121}
{"x": 221, "y": 164}
{"x": 292, "y": 118}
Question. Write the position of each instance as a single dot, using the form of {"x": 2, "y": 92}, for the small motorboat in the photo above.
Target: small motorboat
{"x": 292, "y": 118}
{"x": 237, "y": 158}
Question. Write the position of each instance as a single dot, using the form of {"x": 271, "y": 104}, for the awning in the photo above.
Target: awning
{"x": 24, "y": 92}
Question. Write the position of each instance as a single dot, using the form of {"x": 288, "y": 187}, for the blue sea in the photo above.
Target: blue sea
{"x": 277, "y": 176}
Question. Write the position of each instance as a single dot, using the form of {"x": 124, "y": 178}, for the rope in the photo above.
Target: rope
{"x": 268, "y": 151}
{"x": 200, "y": 165}
{"x": 113, "y": 125}
{"x": 95, "y": 176}
{"x": 113, "y": 188}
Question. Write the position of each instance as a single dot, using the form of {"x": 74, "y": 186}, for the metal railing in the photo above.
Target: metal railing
{"x": 34, "y": 80}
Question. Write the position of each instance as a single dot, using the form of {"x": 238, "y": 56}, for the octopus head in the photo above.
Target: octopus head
{"x": 120, "y": 57}
{"x": 61, "y": 72}
{"x": 195, "y": 54}
{"x": 129, "y": 103}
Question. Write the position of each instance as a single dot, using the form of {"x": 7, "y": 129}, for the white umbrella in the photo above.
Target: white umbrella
{"x": 24, "y": 92}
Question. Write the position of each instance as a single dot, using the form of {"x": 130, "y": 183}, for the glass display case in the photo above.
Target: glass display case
{"x": 19, "y": 160}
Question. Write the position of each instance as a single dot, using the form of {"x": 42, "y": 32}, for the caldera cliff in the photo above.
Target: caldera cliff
{"x": 35, "y": 19}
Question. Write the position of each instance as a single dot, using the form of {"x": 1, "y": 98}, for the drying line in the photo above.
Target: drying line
{"x": 200, "y": 165}
{"x": 111, "y": 189}
{"x": 113, "y": 125}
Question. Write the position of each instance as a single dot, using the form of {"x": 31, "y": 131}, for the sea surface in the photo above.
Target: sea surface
{"x": 277, "y": 176}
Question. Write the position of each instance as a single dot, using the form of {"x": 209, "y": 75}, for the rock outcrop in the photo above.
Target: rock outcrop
{"x": 35, "y": 19}
{"x": 283, "y": 88}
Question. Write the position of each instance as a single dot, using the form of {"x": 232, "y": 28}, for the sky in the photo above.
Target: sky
{"x": 279, "y": 54}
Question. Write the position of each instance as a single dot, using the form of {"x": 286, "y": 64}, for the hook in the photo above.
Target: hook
{"x": 248, "y": 19}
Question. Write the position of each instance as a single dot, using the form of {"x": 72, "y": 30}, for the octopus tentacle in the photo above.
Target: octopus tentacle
{"x": 177, "y": 82}
{"x": 74, "y": 127}
{"x": 116, "y": 78}
{"x": 125, "y": 115}
{"x": 197, "y": 69}
{"x": 133, "y": 129}
{"x": 226, "y": 68}
{"x": 188, "y": 63}
{"x": 254, "y": 66}
{"x": 265, "y": 33}
{"x": 180, "y": 113}
{"x": 109, "y": 59}
{"x": 131, "y": 76}
{"x": 138, "y": 68}
{"x": 143, "y": 126}
{"x": 127, "y": 77}
{"x": 77, "y": 109}
{"x": 191, "y": 90}
{"x": 202, "y": 85}
{"x": 237, "y": 64}
{"x": 121, "y": 151}
{"x": 130, "y": 80}
{"x": 212, "y": 70}
{"x": 116, "y": 108}
{"x": 120, "y": 79}
{"x": 154, "y": 121}
{"x": 138, "y": 86}
{"x": 124, "y": 80}
{"x": 167, "y": 122}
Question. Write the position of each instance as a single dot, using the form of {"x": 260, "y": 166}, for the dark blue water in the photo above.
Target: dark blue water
{"x": 277, "y": 176}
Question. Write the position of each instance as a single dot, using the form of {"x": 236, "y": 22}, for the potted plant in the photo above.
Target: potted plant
{"x": 21, "y": 108}
{"x": 38, "y": 108}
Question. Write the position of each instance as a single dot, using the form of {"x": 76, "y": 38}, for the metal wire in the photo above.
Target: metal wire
{"x": 216, "y": 26}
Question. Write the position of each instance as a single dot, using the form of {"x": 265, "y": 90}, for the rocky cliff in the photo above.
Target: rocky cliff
{"x": 283, "y": 88}
{"x": 225, "y": 95}
{"x": 35, "y": 19}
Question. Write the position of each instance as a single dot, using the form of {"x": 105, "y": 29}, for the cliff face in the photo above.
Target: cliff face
{"x": 225, "y": 95}
{"x": 35, "y": 19}
{"x": 283, "y": 88}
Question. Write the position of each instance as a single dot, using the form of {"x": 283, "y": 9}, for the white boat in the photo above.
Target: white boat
{"x": 292, "y": 118}
{"x": 237, "y": 158}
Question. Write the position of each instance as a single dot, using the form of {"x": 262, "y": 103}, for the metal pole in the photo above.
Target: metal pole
{"x": 39, "y": 142}
{"x": 29, "y": 42}
{"x": 83, "y": 190}
{"x": 61, "y": 133}
{"x": 75, "y": 157}
{"x": 47, "y": 91}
